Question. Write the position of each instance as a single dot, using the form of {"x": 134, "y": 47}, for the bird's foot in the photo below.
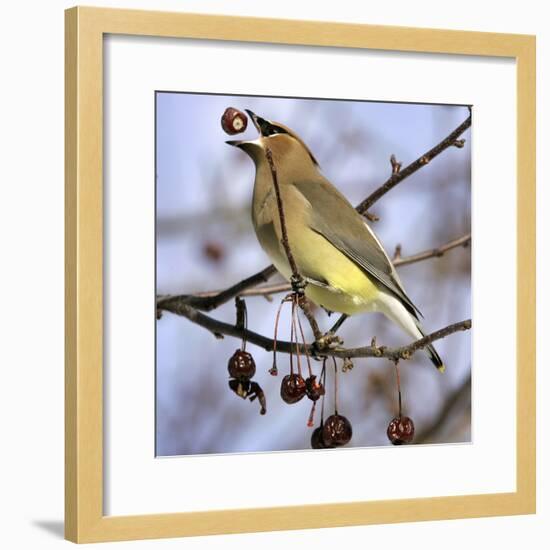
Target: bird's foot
{"x": 298, "y": 284}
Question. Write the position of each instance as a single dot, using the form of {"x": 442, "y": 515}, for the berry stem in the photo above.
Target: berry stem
{"x": 311, "y": 415}
{"x": 335, "y": 386}
{"x": 245, "y": 324}
{"x": 273, "y": 369}
{"x": 242, "y": 320}
{"x": 323, "y": 377}
{"x": 291, "y": 354}
{"x": 295, "y": 333}
{"x": 398, "y": 386}
{"x": 304, "y": 342}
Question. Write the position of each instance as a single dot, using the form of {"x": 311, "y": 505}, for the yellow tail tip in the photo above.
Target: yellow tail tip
{"x": 441, "y": 368}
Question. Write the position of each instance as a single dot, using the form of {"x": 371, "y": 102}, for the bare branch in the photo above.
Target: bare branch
{"x": 406, "y": 352}
{"x": 399, "y": 174}
{"x": 210, "y": 301}
{"x": 219, "y": 327}
{"x": 432, "y": 253}
{"x": 397, "y": 253}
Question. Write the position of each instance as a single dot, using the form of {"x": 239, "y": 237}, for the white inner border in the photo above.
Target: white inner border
{"x": 138, "y": 483}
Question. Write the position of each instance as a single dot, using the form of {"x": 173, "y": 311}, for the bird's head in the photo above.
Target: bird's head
{"x": 285, "y": 145}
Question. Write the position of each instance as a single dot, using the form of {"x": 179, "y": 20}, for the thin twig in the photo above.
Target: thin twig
{"x": 395, "y": 165}
{"x": 398, "y": 175}
{"x": 434, "y": 252}
{"x": 338, "y": 323}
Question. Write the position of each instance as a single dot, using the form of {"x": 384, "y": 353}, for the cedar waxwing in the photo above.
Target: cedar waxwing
{"x": 336, "y": 252}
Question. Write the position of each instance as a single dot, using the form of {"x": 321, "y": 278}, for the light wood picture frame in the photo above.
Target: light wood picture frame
{"x": 84, "y": 412}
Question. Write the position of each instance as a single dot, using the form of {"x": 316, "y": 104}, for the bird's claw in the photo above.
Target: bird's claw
{"x": 298, "y": 284}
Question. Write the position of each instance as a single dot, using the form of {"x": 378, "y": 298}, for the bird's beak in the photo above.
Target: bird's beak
{"x": 236, "y": 142}
{"x": 258, "y": 122}
{"x": 249, "y": 147}
{"x": 255, "y": 120}
{"x": 261, "y": 124}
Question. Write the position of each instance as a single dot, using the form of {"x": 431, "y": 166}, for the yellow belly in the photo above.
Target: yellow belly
{"x": 340, "y": 301}
{"x": 349, "y": 290}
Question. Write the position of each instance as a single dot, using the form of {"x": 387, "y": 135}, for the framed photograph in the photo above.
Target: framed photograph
{"x": 286, "y": 306}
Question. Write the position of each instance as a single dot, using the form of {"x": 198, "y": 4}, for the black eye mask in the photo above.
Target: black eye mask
{"x": 267, "y": 129}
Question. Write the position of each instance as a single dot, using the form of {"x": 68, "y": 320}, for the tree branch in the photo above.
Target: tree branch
{"x": 433, "y": 252}
{"x": 220, "y": 328}
{"x": 210, "y": 301}
{"x": 398, "y": 174}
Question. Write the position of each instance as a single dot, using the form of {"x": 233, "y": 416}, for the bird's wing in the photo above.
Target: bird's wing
{"x": 333, "y": 217}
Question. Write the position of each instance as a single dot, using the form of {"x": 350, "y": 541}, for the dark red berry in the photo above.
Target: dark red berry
{"x": 234, "y": 121}
{"x": 314, "y": 389}
{"x": 293, "y": 388}
{"x": 401, "y": 430}
{"x": 336, "y": 431}
{"x": 241, "y": 365}
{"x": 317, "y": 439}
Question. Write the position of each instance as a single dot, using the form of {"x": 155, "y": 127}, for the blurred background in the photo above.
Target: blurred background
{"x": 205, "y": 241}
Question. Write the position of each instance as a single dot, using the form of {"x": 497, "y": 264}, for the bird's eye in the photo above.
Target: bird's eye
{"x": 271, "y": 130}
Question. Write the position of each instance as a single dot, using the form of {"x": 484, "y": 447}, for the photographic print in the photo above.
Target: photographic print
{"x": 280, "y": 274}
{"x": 313, "y": 274}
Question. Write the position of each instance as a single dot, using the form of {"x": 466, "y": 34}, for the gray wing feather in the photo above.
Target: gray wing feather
{"x": 334, "y": 218}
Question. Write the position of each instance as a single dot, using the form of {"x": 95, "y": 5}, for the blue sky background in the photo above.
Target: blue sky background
{"x": 204, "y": 190}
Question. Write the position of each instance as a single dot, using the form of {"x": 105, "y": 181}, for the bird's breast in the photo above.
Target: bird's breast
{"x": 267, "y": 224}
{"x": 343, "y": 286}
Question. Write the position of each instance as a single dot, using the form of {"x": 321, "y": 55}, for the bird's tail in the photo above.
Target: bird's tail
{"x": 432, "y": 353}
{"x": 397, "y": 312}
